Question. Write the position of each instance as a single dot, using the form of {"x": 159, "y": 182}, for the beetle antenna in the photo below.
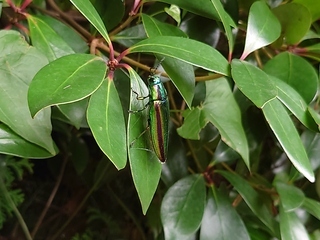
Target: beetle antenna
{"x": 154, "y": 69}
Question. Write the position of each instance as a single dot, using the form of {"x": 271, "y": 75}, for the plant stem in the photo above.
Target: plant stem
{"x": 15, "y": 210}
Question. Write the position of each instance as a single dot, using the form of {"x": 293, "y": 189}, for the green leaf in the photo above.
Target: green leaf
{"x": 106, "y": 120}
{"x": 67, "y": 79}
{"x": 220, "y": 219}
{"x": 263, "y": 28}
{"x": 75, "y": 112}
{"x": 311, "y": 142}
{"x": 295, "y": 103}
{"x": 68, "y": 34}
{"x": 45, "y": 39}
{"x": 194, "y": 121}
{"x": 174, "y": 12}
{"x": 226, "y": 22}
{"x": 201, "y": 7}
{"x": 295, "y": 21}
{"x": 221, "y": 109}
{"x": 295, "y": 71}
{"x": 287, "y": 135}
{"x": 181, "y": 73}
{"x": 291, "y": 197}
{"x": 253, "y": 82}
{"x": 290, "y": 226}
{"x": 187, "y": 50}
{"x": 312, "y": 206}
{"x": 182, "y": 207}
{"x": 90, "y": 13}
{"x": 130, "y": 36}
{"x": 145, "y": 166}
{"x": 13, "y": 144}
{"x": 313, "y": 6}
{"x": 16, "y": 73}
{"x": 251, "y": 197}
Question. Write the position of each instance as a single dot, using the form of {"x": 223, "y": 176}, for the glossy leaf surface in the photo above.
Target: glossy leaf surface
{"x": 312, "y": 206}
{"x": 291, "y": 197}
{"x": 144, "y": 164}
{"x": 220, "y": 217}
{"x": 106, "y": 120}
{"x": 67, "y": 79}
{"x": 187, "y": 50}
{"x": 287, "y": 135}
{"x": 263, "y": 28}
{"x": 46, "y": 39}
{"x": 295, "y": 21}
{"x": 296, "y": 72}
{"x": 253, "y": 82}
{"x": 183, "y": 206}
{"x": 251, "y": 197}
{"x": 290, "y": 226}
{"x": 13, "y": 144}
{"x": 90, "y": 13}
{"x": 16, "y": 74}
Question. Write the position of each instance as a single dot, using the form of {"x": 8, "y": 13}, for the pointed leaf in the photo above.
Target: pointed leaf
{"x": 45, "y": 39}
{"x": 312, "y": 206}
{"x": 295, "y": 71}
{"x": 187, "y": 50}
{"x": 253, "y": 82}
{"x": 145, "y": 166}
{"x": 290, "y": 226}
{"x": 221, "y": 109}
{"x": 16, "y": 74}
{"x": 182, "y": 207}
{"x": 287, "y": 135}
{"x": 67, "y": 79}
{"x": 90, "y": 13}
{"x": 106, "y": 120}
{"x": 220, "y": 219}
{"x": 263, "y": 28}
{"x": 13, "y": 144}
{"x": 251, "y": 197}
{"x": 227, "y": 22}
{"x": 295, "y": 103}
{"x": 291, "y": 197}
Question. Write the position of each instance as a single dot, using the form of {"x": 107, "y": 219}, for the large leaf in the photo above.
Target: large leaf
{"x": 67, "y": 79}
{"x": 45, "y": 39}
{"x": 220, "y": 219}
{"x": 263, "y": 28}
{"x": 291, "y": 197}
{"x": 188, "y": 50}
{"x": 106, "y": 120}
{"x": 16, "y": 73}
{"x": 295, "y": 21}
{"x": 221, "y": 109}
{"x": 287, "y": 135}
{"x": 182, "y": 207}
{"x": 145, "y": 166}
{"x": 295, "y": 71}
{"x": 253, "y": 82}
{"x": 67, "y": 33}
{"x": 313, "y": 7}
{"x": 90, "y": 13}
{"x": 290, "y": 226}
{"x": 13, "y": 144}
{"x": 180, "y": 72}
{"x": 251, "y": 197}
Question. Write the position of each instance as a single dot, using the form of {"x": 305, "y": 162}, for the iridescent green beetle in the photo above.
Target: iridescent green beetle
{"x": 158, "y": 121}
{"x": 158, "y": 116}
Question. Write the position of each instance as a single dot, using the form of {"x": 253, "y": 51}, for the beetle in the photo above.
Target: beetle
{"x": 158, "y": 121}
